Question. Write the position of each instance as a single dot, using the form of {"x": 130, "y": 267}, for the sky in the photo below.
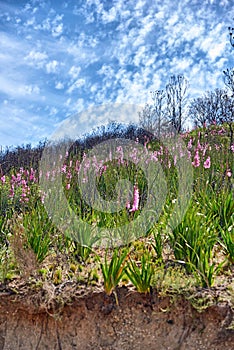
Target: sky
{"x": 60, "y": 58}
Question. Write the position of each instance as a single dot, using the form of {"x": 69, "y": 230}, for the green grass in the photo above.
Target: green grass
{"x": 202, "y": 243}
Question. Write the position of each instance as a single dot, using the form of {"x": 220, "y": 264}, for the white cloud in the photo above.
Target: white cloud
{"x": 159, "y": 15}
{"x": 216, "y": 51}
{"x": 74, "y": 72}
{"x": 15, "y": 89}
{"x": 107, "y": 71}
{"x": 59, "y": 85}
{"x": 57, "y": 30}
{"x": 109, "y": 16}
{"x": 76, "y": 85}
{"x": 53, "y": 111}
{"x": 29, "y": 90}
{"x": 172, "y": 20}
{"x": 36, "y": 58}
{"x": 51, "y": 67}
{"x": 106, "y": 52}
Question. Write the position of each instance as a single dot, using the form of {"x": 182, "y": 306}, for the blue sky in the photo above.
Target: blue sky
{"x": 58, "y": 58}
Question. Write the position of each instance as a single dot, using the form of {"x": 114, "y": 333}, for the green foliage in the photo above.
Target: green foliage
{"x": 3, "y": 230}
{"x": 220, "y": 206}
{"x": 141, "y": 274}
{"x": 7, "y": 268}
{"x": 113, "y": 271}
{"x": 194, "y": 244}
{"x": 193, "y": 241}
{"x": 227, "y": 241}
{"x": 38, "y": 230}
{"x": 158, "y": 245}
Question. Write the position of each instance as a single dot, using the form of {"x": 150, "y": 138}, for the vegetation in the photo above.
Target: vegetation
{"x": 200, "y": 246}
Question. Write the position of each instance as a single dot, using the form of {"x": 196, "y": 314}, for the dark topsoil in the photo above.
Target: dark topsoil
{"x": 93, "y": 320}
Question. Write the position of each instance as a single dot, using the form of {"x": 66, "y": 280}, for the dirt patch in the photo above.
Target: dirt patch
{"x": 94, "y": 321}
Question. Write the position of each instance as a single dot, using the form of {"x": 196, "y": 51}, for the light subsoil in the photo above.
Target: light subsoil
{"x": 94, "y": 321}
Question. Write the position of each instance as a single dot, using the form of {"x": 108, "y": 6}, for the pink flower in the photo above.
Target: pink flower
{"x": 199, "y": 147}
{"x": 77, "y": 167}
{"x": 12, "y": 192}
{"x": 13, "y": 178}
{"x": 196, "y": 161}
{"x": 102, "y": 169}
{"x": 69, "y": 175}
{"x": 68, "y": 186}
{"x": 24, "y": 183}
{"x": 154, "y": 156}
{"x": 3, "y": 179}
{"x": 136, "y": 198}
{"x": 43, "y": 196}
{"x": 119, "y": 150}
{"x": 189, "y": 155}
{"x": 221, "y": 131}
{"x": 128, "y": 205}
{"x": 207, "y": 163}
{"x": 204, "y": 150}
{"x": 18, "y": 179}
{"x": 229, "y": 173}
{"x": 64, "y": 169}
{"x": 190, "y": 143}
{"x": 32, "y": 175}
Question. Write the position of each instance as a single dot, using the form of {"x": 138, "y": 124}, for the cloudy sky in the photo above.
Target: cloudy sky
{"x": 58, "y": 58}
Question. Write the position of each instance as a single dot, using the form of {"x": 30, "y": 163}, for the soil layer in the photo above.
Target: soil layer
{"x": 95, "y": 321}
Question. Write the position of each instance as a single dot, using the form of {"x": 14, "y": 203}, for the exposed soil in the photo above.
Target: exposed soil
{"x": 95, "y": 321}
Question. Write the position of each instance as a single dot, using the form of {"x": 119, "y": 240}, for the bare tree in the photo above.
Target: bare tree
{"x": 146, "y": 118}
{"x": 215, "y": 107}
{"x": 159, "y": 110}
{"x": 198, "y": 111}
{"x": 176, "y": 91}
{"x": 229, "y": 79}
{"x": 231, "y": 35}
{"x": 152, "y": 118}
{"x": 229, "y": 82}
{"x": 227, "y": 115}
